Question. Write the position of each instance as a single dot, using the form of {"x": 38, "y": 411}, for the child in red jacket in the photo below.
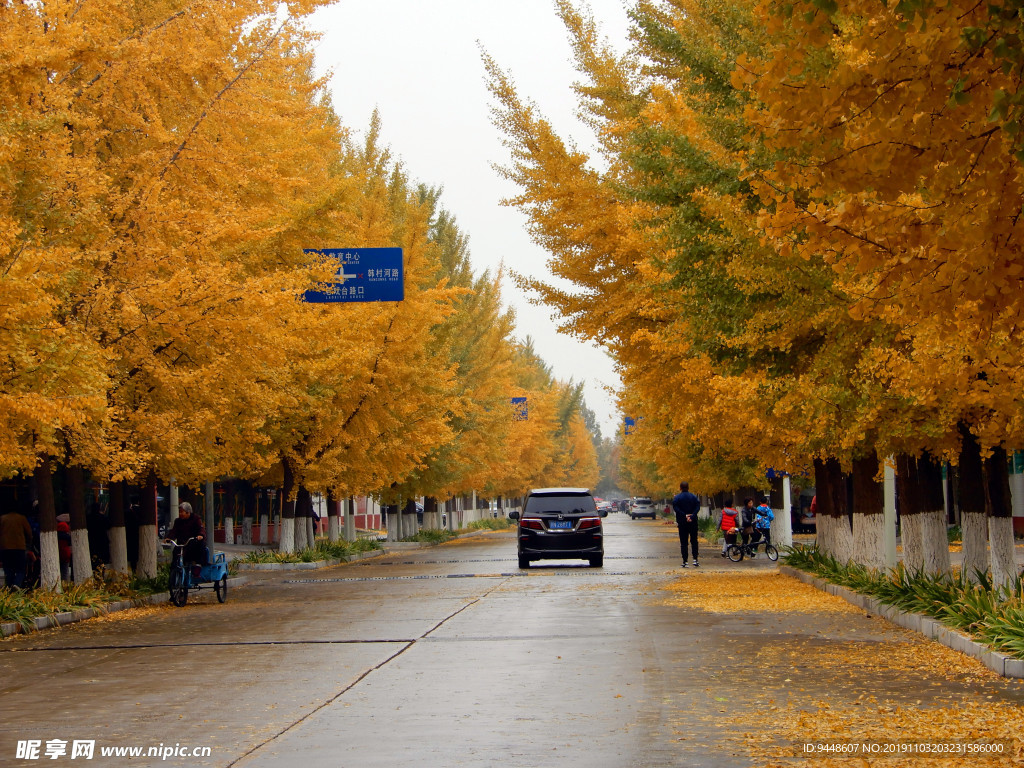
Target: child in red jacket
{"x": 729, "y": 526}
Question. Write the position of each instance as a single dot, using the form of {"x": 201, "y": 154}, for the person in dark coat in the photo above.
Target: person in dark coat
{"x": 189, "y": 526}
{"x": 687, "y": 506}
{"x": 15, "y": 542}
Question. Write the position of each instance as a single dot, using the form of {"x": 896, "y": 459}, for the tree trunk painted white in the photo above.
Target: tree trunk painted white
{"x": 1000, "y": 540}
{"x": 49, "y": 561}
{"x": 913, "y": 546}
{"x": 823, "y": 534}
{"x": 889, "y": 502}
{"x": 842, "y": 539}
{"x": 264, "y": 529}
{"x": 350, "y": 519}
{"x": 229, "y": 530}
{"x": 868, "y": 545}
{"x": 935, "y": 542}
{"x": 118, "y": 549}
{"x": 393, "y": 522}
{"x": 247, "y": 530}
{"x": 333, "y": 528}
{"x": 974, "y": 527}
{"x": 146, "y": 566}
{"x": 782, "y": 529}
{"x": 287, "y": 531}
{"x": 782, "y": 525}
{"x": 81, "y": 560}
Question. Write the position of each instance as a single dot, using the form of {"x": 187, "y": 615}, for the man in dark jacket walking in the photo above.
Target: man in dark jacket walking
{"x": 686, "y": 506}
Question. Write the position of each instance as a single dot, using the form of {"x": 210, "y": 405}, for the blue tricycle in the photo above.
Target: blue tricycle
{"x": 182, "y": 577}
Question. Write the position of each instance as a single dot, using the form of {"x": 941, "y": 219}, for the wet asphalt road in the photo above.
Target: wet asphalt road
{"x": 443, "y": 656}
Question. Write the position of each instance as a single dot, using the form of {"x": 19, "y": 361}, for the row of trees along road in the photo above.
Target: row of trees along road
{"x": 801, "y": 241}
{"x": 164, "y": 165}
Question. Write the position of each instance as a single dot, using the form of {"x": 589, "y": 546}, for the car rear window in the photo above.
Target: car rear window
{"x": 539, "y": 504}
{"x": 643, "y": 501}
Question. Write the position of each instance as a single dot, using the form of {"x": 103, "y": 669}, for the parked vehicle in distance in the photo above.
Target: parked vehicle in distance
{"x": 560, "y": 524}
{"x": 642, "y": 506}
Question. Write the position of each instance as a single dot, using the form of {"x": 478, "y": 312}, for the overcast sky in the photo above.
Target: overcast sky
{"x": 418, "y": 63}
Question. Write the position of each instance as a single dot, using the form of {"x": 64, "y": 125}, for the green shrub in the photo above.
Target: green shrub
{"x": 431, "y": 536}
{"x": 491, "y": 524}
{"x": 321, "y": 550}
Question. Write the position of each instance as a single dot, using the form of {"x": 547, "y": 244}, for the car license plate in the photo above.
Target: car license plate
{"x": 560, "y": 525}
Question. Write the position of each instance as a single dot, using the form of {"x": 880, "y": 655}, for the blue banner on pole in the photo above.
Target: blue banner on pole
{"x": 364, "y": 274}
{"x": 630, "y": 425}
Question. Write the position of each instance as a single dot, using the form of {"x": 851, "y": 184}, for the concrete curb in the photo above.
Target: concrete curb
{"x": 81, "y": 614}
{"x": 933, "y": 629}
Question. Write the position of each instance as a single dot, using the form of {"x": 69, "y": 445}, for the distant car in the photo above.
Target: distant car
{"x": 560, "y": 524}
{"x": 642, "y": 507}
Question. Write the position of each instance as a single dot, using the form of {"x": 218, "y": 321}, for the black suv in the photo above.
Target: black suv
{"x": 560, "y": 524}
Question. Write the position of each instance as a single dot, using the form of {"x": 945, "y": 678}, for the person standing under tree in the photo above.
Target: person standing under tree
{"x": 15, "y": 541}
{"x": 686, "y": 506}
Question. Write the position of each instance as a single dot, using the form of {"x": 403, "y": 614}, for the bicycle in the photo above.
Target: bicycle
{"x": 736, "y": 552}
{"x": 180, "y": 579}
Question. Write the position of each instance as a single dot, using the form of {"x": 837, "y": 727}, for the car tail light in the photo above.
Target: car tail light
{"x": 589, "y": 522}
{"x": 532, "y": 523}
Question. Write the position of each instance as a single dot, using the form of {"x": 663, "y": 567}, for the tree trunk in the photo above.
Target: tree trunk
{"x": 1000, "y": 520}
{"x": 265, "y": 512}
{"x": 431, "y": 514}
{"x": 935, "y": 536}
{"x": 81, "y": 561}
{"x": 116, "y": 533}
{"x": 49, "y": 552}
{"x": 333, "y": 519}
{"x": 782, "y": 525}
{"x": 250, "y": 501}
{"x": 302, "y": 520}
{"x": 287, "y": 542}
{"x": 146, "y": 565}
{"x": 835, "y": 536}
{"x": 973, "y": 520}
{"x": 230, "y": 504}
{"x": 868, "y": 517}
{"x": 412, "y": 524}
{"x": 922, "y": 515}
{"x": 394, "y": 522}
{"x": 350, "y": 519}
{"x": 908, "y": 493}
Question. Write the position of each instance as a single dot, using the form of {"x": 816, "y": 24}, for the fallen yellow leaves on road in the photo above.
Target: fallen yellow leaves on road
{"x": 941, "y": 737}
{"x": 718, "y": 592}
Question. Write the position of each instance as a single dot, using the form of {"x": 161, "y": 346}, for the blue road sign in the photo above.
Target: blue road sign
{"x": 364, "y": 274}
{"x": 520, "y": 410}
